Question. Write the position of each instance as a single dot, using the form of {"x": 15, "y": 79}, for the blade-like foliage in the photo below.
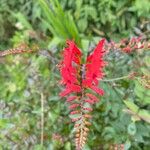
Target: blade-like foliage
{"x": 61, "y": 24}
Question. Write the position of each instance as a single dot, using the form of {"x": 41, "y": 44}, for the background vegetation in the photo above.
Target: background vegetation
{"x": 29, "y": 83}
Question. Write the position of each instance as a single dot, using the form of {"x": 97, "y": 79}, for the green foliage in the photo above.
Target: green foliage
{"x": 142, "y": 95}
{"x": 108, "y": 17}
{"x": 60, "y": 24}
{"x": 7, "y": 21}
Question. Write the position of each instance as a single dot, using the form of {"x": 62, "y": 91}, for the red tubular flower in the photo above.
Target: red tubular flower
{"x": 94, "y": 66}
{"x": 68, "y": 70}
{"x": 71, "y": 98}
{"x": 77, "y": 78}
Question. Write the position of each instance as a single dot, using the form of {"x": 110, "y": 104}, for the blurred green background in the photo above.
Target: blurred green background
{"x": 29, "y": 82}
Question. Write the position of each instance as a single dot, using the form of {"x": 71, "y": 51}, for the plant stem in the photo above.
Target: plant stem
{"x": 115, "y": 79}
{"x": 42, "y": 118}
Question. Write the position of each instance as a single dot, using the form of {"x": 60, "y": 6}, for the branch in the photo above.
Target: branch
{"x": 130, "y": 75}
{"x": 22, "y": 48}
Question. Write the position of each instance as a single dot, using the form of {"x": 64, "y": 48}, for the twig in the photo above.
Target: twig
{"x": 42, "y": 118}
{"x": 98, "y": 32}
{"x": 14, "y": 51}
{"x": 9, "y": 138}
{"x": 115, "y": 79}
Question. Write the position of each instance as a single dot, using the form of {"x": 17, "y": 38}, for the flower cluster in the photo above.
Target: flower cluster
{"x": 78, "y": 77}
{"x": 69, "y": 71}
{"x": 19, "y": 50}
{"x": 129, "y": 45}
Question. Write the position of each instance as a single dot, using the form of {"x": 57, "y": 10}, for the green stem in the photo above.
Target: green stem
{"x": 42, "y": 119}
{"x": 115, "y": 79}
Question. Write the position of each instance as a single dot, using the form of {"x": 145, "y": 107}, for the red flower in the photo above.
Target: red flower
{"x": 94, "y": 66}
{"x": 72, "y": 56}
{"x": 77, "y": 77}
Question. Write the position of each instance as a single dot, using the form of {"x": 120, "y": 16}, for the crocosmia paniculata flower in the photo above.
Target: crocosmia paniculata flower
{"x": 80, "y": 80}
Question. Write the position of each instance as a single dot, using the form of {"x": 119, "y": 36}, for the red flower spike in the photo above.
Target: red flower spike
{"x": 68, "y": 72}
{"x": 77, "y": 77}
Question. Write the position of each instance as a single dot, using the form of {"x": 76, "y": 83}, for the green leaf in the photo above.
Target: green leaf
{"x": 85, "y": 45}
{"x": 67, "y": 146}
{"x": 39, "y": 147}
{"x": 145, "y": 115}
{"x": 82, "y": 24}
{"x": 132, "y": 129}
{"x": 12, "y": 87}
{"x": 139, "y": 87}
{"x": 127, "y": 145}
{"x": 3, "y": 123}
{"x": 24, "y": 21}
{"x": 131, "y": 106}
